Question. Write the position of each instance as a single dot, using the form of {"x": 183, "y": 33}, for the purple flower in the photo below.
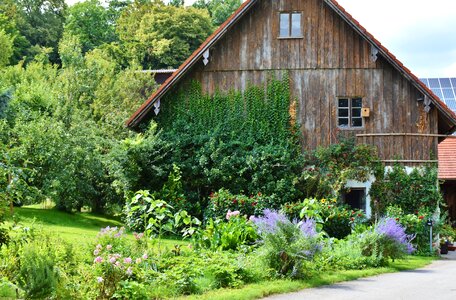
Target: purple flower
{"x": 127, "y": 260}
{"x": 96, "y": 252}
{"x": 99, "y": 279}
{"x": 129, "y": 271}
{"x": 98, "y": 259}
{"x": 269, "y": 222}
{"x": 390, "y": 228}
{"x": 308, "y": 227}
{"x": 145, "y": 256}
{"x": 112, "y": 260}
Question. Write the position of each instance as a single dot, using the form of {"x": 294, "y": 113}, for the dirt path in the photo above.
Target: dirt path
{"x": 434, "y": 282}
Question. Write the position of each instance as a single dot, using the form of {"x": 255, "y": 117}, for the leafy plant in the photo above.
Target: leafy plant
{"x": 234, "y": 234}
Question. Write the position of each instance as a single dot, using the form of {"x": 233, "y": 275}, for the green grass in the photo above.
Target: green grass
{"x": 75, "y": 228}
{"x": 263, "y": 289}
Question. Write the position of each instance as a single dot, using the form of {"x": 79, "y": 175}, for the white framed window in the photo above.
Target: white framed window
{"x": 290, "y": 25}
{"x": 349, "y": 113}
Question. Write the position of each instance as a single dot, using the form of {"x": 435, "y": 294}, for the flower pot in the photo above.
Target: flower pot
{"x": 444, "y": 248}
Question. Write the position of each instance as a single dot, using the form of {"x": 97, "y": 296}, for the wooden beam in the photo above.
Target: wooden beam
{"x": 408, "y": 161}
{"x": 405, "y": 134}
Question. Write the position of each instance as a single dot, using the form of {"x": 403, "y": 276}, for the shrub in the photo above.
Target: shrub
{"x": 287, "y": 245}
{"x": 235, "y": 233}
{"x": 253, "y": 205}
{"x": 387, "y": 239}
{"x": 346, "y": 254}
{"x": 335, "y": 219}
{"x": 114, "y": 260}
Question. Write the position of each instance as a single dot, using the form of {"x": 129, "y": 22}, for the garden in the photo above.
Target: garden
{"x": 240, "y": 211}
{"x": 212, "y": 199}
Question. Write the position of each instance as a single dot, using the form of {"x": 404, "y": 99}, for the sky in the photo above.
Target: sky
{"x": 420, "y": 33}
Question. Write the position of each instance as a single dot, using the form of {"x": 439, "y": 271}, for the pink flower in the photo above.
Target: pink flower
{"x": 129, "y": 271}
{"x": 100, "y": 279}
{"x": 108, "y": 247}
{"x": 145, "y": 256}
{"x": 230, "y": 214}
{"x": 98, "y": 259}
{"x": 112, "y": 260}
{"x": 127, "y": 260}
{"x": 138, "y": 260}
{"x": 117, "y": 264}
{"x": 96, "y": 252}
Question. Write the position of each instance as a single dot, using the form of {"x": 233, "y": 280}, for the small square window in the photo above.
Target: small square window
{"x": 349, "y": 112}
{"x": 290, "y": 25}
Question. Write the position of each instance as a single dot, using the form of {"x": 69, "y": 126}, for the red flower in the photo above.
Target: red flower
{"x": 421, "y": 217}
{"x": 353, "y": 212}
{"x": 397, "y": 219}
{"x": 211, "y": 195}
{"x": 360, "y": 215}
{"x": 259, "y": 194}
{"x": 352, "y": 219}
{"x": 329, "y": 206}
{"x": 234, "y": 201}
{"x": 251, "y": 196}
{"x": 254, "y": 203}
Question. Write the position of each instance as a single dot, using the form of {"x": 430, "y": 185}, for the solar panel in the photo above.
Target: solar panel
{"x": 445, "y": 83}
{"x": 444, "y": 88}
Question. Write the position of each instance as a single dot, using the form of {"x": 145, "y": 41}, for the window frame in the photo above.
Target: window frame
{"x": 290, "y": 25}
{"x": 350, "y": 113}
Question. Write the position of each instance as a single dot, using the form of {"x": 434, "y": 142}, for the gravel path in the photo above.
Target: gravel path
{"x": 436, "y": 281}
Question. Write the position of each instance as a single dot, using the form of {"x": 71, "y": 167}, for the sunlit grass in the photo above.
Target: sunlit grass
{"x": 76, "y": 228}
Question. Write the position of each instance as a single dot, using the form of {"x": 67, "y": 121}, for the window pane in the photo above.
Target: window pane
{"x": 343, "y": 102}
{"x": 357, "y": 102}
{"x": 296, "y": 25}
{"x": 343, "y": 122}
{"x": 357, "y": 122}
{"x": 343, "y": 112}
{"x": 356, "y": 112}
{"x": 284, "y": 25}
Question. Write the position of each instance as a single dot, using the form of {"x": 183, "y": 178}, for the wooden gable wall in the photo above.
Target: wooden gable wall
{"x": 330, "y": 61}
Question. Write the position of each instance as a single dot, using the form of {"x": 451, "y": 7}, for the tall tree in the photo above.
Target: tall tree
{"x": 219, "y": 10}
{"x": 90, "y": 21}
{"x": 161, "y": 36}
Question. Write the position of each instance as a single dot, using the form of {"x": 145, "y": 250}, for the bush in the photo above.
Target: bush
{"x": 287, "y": 246}
{"x": 387, "y": 239}
{"x": 253, "y": 205}
{"x": 335, "y": 219}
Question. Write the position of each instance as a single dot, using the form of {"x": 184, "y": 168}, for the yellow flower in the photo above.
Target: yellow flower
{"x": 323, "y": 200}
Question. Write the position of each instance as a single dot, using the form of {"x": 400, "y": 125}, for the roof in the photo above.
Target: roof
{"x": 136, "y": 118}
{"x": 447, "y": 159}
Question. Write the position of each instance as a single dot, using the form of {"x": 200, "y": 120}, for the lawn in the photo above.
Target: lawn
{"x": 75, "y": 228}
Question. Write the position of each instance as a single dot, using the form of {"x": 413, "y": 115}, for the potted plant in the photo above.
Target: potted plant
{"x": 444, "y": 242}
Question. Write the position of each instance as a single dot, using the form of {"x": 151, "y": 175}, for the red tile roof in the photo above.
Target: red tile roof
{"x": 136, "y": 118}
{"x": 447, "y": 159}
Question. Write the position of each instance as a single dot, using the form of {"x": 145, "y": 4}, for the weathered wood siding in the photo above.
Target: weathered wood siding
{"x": 330, "y": 61}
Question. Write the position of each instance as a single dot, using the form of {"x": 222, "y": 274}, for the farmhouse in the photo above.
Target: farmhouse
{"x": 345, "y": 81}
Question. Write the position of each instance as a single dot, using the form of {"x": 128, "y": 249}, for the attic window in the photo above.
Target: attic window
{"x": 349, "y": 113}
{"x": 290, "y": 25}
